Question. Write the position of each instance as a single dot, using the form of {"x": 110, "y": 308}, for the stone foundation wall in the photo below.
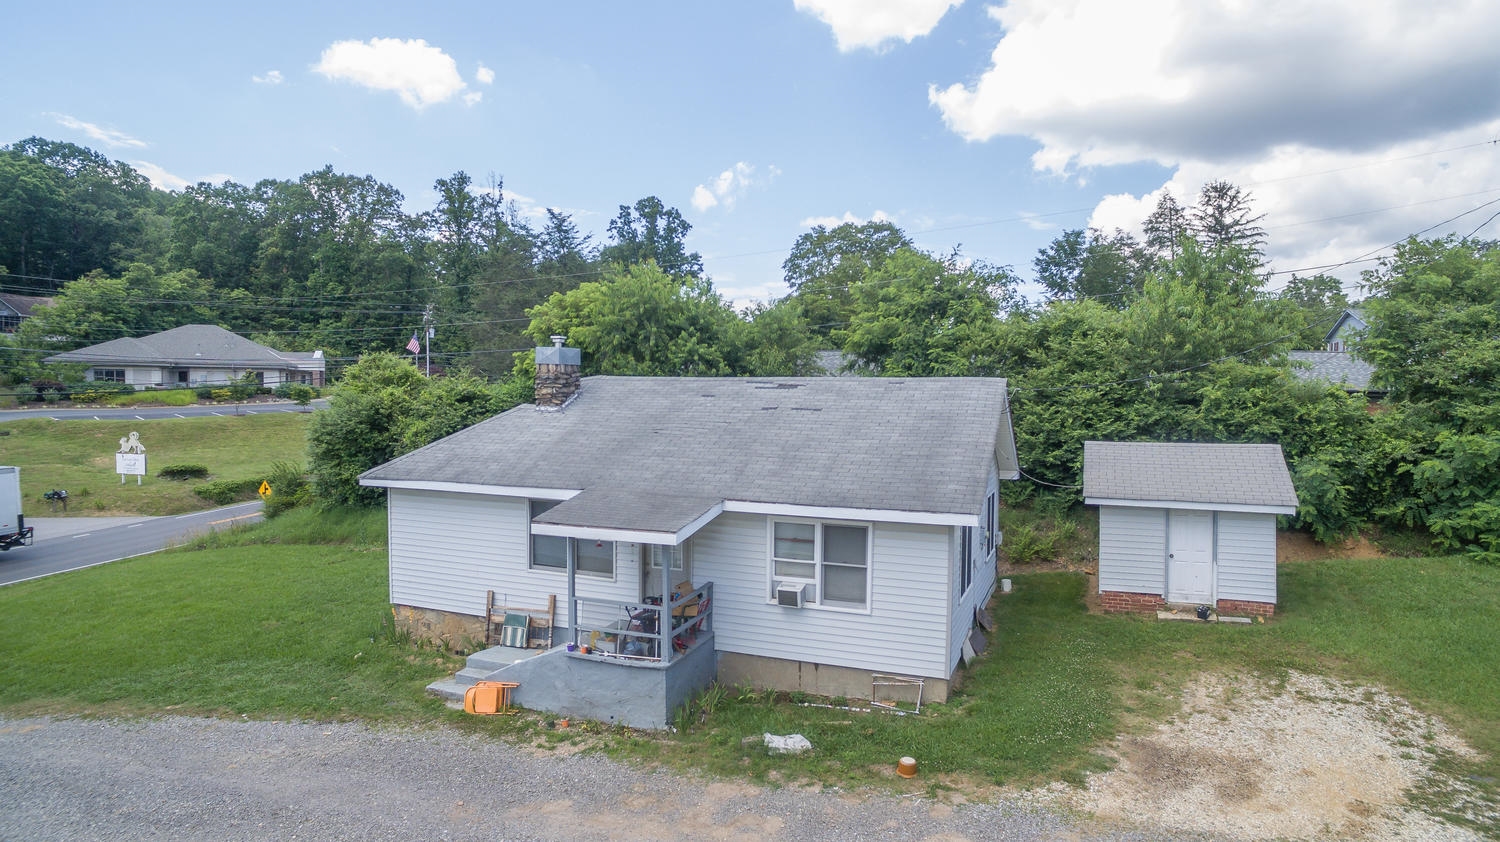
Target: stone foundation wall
{"x": 1244, "y": 607}
{"x": 818, "y": 679}
{"x": 1121, "y": 601}
{"x": 454, "y": 632}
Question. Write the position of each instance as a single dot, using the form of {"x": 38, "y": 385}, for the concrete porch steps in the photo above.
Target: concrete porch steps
{"x": 478, "y": 667}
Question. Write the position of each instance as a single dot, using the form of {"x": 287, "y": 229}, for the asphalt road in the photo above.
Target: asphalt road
{"x": 64, "y": 544}
{"x": 143, "y": 413}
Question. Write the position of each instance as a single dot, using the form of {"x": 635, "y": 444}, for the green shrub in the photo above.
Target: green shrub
{"x": 226, "y": 491}
{"x": 1025, "y": 544}
{"x": 289, "y": 488}
{"x": 204, "y": 393}
{"x": 40, "y": 386}
{"x": 186, "y": 471}
{"x": 221, "y": 394}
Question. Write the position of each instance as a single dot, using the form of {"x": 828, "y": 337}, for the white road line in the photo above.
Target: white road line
{"x": 179, "y": 415}
{"x": 220, "y": 414}
{"x": 134, "y": 525}
{"x": 81, "y": 535}
{"x": 139, "y": 418}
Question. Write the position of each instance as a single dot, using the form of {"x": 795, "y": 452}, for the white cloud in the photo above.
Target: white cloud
{"x": 1341, "y": 117}
{"x": 160, "y": 178}
{"x": 727, "y": 187}
{"x": 419, "y": 73}
{"x": 847, "y": 218}
{"x": 703, "y": 198}
{"x": 272, "y": 77}
{"x": 484, "y": 75}
{"x": 1103, "y": 82}
{"x": 108, "y": 137}
{"x": 871, "y": 23}
{"x": 1325, "y": 207}
{"x": 473, "y": 98}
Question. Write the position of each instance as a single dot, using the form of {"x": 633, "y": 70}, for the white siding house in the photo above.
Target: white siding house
{"x": 843, "y": 526}
{"x": 1187, "y": 523}
{"x": 193, "y": 355}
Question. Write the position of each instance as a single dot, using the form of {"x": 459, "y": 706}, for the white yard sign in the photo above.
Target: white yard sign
{"x": 130, "y": 459}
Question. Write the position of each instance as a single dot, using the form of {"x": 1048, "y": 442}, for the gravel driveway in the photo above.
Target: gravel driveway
{"x": 181, "y": 778}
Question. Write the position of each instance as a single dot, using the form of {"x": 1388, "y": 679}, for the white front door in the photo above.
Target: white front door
{"x": 1190, "y": 556}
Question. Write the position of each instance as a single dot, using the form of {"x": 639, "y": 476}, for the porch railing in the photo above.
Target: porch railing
{"x": 636, "y": 632}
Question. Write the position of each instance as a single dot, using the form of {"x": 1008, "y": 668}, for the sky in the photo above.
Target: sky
{"x": 990, "y": 128}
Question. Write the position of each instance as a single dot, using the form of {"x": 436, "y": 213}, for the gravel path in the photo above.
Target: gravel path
{"x": 181, "y": 778}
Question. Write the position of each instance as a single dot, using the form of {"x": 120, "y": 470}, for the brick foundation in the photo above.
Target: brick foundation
{"x": 1244, "y": 607}
{"x": 1120, "y": 601}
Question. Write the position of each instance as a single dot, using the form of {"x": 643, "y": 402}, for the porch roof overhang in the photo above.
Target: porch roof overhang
{"x": 632, "y": 515}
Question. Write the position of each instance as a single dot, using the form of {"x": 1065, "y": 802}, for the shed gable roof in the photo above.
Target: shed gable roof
{"x": 896, "y": 444}
{"x": 1238, "y": 475}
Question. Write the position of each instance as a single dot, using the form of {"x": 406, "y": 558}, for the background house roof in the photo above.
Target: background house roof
{"x": 22, "y": 304}
{"x": 904, "y": 444}
{"x": 1339, "y": 367}
{"x": 189, "y": 345}
{"x": 1235, "y": 474}
{"x": 1352, "y": 318}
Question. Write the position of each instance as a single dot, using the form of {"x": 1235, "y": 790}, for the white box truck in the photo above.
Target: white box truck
{"x": 13, "y": 529}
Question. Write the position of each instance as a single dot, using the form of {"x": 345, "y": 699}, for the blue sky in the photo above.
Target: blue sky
{"x": 1352, "y": 122}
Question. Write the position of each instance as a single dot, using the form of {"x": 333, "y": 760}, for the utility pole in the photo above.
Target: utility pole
{"x": 427, "y": 329}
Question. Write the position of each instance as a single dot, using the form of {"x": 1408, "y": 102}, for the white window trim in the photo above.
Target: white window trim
{"x": 772, "y": 578}
{"x": 570, "y": 548}
{"x": 679, "y": 552}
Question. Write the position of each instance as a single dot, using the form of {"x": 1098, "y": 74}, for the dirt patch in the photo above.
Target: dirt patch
{"x": 1300, "y": 546}
{"x": 1307, "y": 759}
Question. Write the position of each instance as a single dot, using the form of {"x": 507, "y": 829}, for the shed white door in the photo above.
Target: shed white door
{"x": 1190, "y": 556}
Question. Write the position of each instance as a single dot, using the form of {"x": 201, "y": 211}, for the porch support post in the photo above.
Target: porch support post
{"x": 572, "y": 592}
{"x": 666, "y": 607}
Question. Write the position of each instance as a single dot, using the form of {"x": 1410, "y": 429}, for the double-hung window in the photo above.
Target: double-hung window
{"x": 109, "y": 375}
{"x": 830, "y": 561}
{"x": 991, "y": 523}
{"x": 965, "y": 558}
{"x": 550, "y": 552}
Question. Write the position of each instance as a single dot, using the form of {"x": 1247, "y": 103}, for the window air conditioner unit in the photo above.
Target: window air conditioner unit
{"x": 789, "y": 595}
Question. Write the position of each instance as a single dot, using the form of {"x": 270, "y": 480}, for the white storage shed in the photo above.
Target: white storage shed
{"x": 1187, "y": 523}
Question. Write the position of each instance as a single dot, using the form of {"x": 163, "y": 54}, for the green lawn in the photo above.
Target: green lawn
{"x": 266, "y": 630}
{"x": 294, "y": 628}
{"x": 78, "y": 455}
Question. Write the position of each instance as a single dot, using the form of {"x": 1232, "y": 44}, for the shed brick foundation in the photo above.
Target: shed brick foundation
{"x": 1237, "y": 607}
{"x": 1120, "y": 601}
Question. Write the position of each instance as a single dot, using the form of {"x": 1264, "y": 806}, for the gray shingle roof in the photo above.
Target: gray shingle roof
{"x": 182, "y": 346}
{"x": 1241, "y": 474}
{"x": 913, "y": 444}
{"x": 1339, "y": 367}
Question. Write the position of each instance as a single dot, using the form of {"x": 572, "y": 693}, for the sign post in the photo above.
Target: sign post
{"x": 130, "y": 459}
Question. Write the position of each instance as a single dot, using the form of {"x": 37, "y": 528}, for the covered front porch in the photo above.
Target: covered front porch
{"x": 633, "y": 660}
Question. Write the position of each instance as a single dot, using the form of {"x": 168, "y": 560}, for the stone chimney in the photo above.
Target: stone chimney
{"x": 556, "y": 374}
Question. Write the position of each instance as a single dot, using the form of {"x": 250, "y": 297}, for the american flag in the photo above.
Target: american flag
{"x": 414, "y": 346}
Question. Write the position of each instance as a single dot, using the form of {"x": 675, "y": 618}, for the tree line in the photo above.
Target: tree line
{"x": 1177, "y": 335}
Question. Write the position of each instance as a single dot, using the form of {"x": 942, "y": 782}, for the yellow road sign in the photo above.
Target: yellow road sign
{"x": 265, "y": 489}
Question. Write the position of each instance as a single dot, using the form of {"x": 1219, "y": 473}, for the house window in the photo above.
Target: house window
{"x": 550, "y": 552}
{"x": 110, "y": 375}
{"x": 660, "y": 552}
{"x": 991, "y": 524}
{"x": 965, "y": 558}
{"x": 831, "y": 561}
{"x": 547, "y": 551}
